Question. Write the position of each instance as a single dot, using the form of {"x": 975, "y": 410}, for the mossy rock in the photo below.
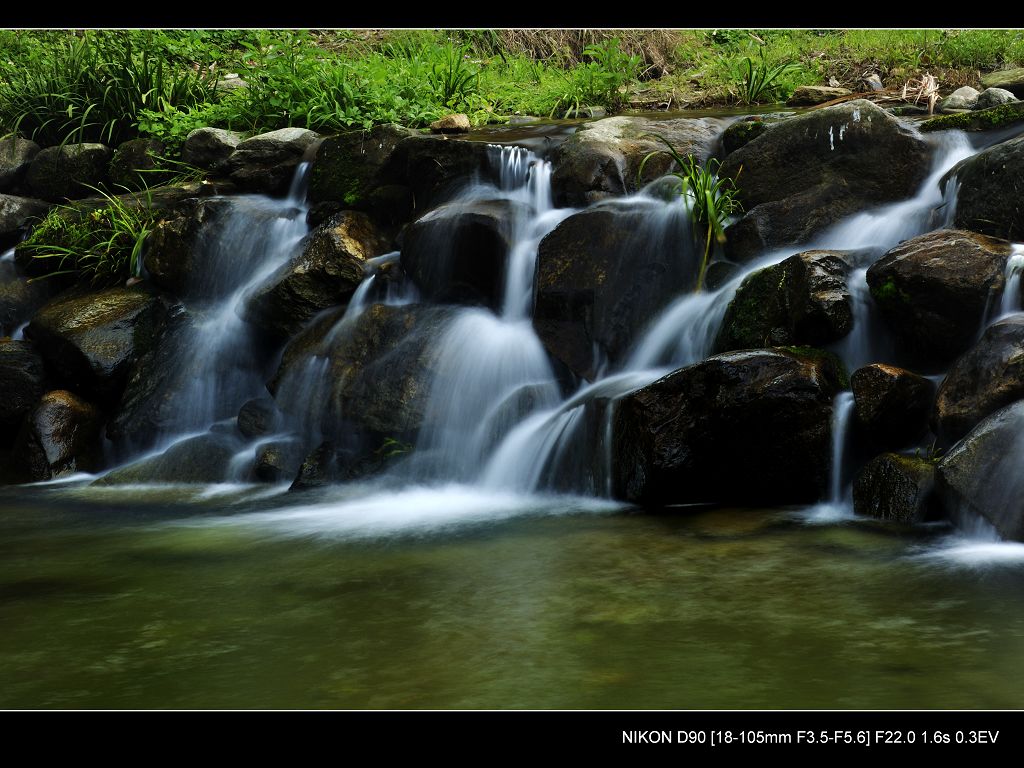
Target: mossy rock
{"x": 980, "y": 120}
{"x": 346, "y": 166}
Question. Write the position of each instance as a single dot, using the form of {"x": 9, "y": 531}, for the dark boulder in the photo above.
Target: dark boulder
{"x": 748, "y": 427}
{"x": 325, "y": 273}
{"x": 277, "y": 460}
{"x": 602, "y": 159}
{"x": 21, "y": 384}
{"x": 602, "y": 274}
{"x": 16, "y": 213}
{"x": 19, "y": 298}
{"x": 16, "y": 155}
{"x": 855, "y": 155}
{"x": 70, "y": 171}
{"x": 986, "y": 378}
{"x": 896, "y": 488}
{"x": 434, "y": 168}
{"x": 744, "y": 131}
{"x": 991, "y": 195}
{"x": 347, "y": 167}
{"x": 891, "y": 404}
{"x": 983, "y": 474}
{"x": 173, "y": 251}
{"x": 934, "y": 291}
{"x": 802, "y": 300}
{"x": 458, "y": 251}
{"x": 266, "y": 163}
{"x": 202, "y": 459}
{"x": 209, "y": 148}
{"x": 319, "y": 468}
{"x": 89, "y": 341}
{"x": 258, "y": 417}
{"x": 138, "y": 164}
{"x": 60, "y": 435}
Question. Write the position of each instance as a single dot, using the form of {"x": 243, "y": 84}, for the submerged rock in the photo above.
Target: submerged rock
{"x": 891, "y": 404}
{"x": 934, "y": 291}
{"x": 981, "y": 474}
{"x": 602, "y": 275}
{"x": 60, "y": 435}
{"x": 603, "y": 157}
{"x": 89, "y": 341}
{"x": 896, "y": 488}
{"x": 853, "y": 155}
{"x": 70, "y": 171}
{"x": 16, "y": 155}
{"x": 326, "y": 272}
{"x": 21, "y": 385}
{"x": 201, "y": 459}
{"x": 983, "y": 380}
{"x": 802, "y": 300}
{"x": 458, "y": 251}
{"x": 748, "y": 427}
{"x": 991, "y": 188}
{"x": 266, "y": 163}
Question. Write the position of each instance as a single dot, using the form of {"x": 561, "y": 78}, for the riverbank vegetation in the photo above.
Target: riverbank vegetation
{"x": 110, "y": 86}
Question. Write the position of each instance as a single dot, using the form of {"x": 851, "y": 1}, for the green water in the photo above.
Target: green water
{"x": 154, "y": 599}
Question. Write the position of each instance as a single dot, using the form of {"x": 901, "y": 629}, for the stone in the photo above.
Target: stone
{"x": 266, "y": 163}
{"x": 851, "y": 156}
{"x": 277, "y": 461}
{"x": 347, "y": 167}
{"x": 802, "y": 300}
{"x": 22, "y": 382}
{"x": 896, "y": 488}
{"x": 16, "y": 155}
{"x": 991, "y": 188}
{"x": 16, "y": 214}
{"x": 319, "y": 468}
{"x": 458, "y": 251}
{"x": 1010, "y": 79}
{"x": 209, "y": 148}
{"x": 196, "y": 460}
{"x": 744, "y": 131}
{"x": 258, "y": 417}
{"x": 138, "y": 164}
{"x": 174, "y": 249}
{"x": 994, "y": 97}
{"x": 750, "y": 427}
{"x": 19, "y": 298}
{"x": 978, "y": 120}
{"x": 984, "y": 379}
{"x": 61, "y": 435}
{"x": 601, "y": 275}
{"x": 326, "y": 272}
{"x": 981, "y": 475}
{"x": 89, "y": 341}
{"x": 603, "y": 157}
{"x": 891, "y": 404}
{"x": 934, "y": 291}
{"x": 960, "y": 99}
{"x": 458, "y": 123}
{"x": 70, "y": 171}
{"x": 812, "y": 95}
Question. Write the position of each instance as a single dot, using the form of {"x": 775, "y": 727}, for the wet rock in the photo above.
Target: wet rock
{"x": 21, "y": 385}
{"x": 980, "y": 475}
{"x": 378, "y": 371}
{"x": 137, "y": 165}
{"x": 319, "y": 468}
{"x": 602, "y": 274}
{"x": 891, "y": 404}
{"x": 742, "y": 132}
{"x": 458, "y": 123}
{"x": 719, "y": 273}
{"x": 603, "y": 157}
{"x": 986, "y": 378}
{"x": 802, "y": 300}
{"x": 61, "y": 435}
{"x": 16, "y": 213}
{"x": 325, "y": 273}
{"x": 90, "y": 341}
{"x": 174, "y": 249}
{"x": 202, "y": 459}
{"x": 896, "y": 488}
{"x": 434, "y": 168}
{"x": 19, "y": 298}
{"x": 266, "y": 163}
{"x": 458, "y": 252}
{"x": 811, "y": 95}
{"x": 68, "y": 172}
{"x": 960, "y": 99}
{"x": 748, "y": 427}
{"x": 854, "y": 155}
{"x": 993, "y": 97}
{"x": 1010, "y": 79}
{"x": 278, "y": 461}
{"x": 934, "y": 291}
{"x": 347, "y": 167}
{"x": 258, "y": 417}
{"x": 209, "y": 148}
{"x": 16, "y": 155}
{"x": 991, "y": 188}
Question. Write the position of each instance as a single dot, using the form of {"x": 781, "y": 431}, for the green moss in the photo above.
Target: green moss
{"x": 830, "y": 361}
{"x": 889, "y": 293}
{"x": 982, "y": 120}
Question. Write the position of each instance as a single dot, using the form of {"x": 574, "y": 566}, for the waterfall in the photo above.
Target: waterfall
{"x": 842, "y": 410}
{"x": 1011, "y": 301}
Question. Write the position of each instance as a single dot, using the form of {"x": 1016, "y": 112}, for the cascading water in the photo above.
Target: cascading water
{"x": 1011, "y": 301}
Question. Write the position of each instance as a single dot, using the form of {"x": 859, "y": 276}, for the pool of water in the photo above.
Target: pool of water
{"x": 448, "y": 598}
